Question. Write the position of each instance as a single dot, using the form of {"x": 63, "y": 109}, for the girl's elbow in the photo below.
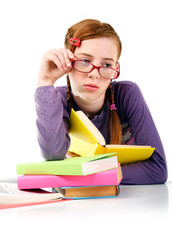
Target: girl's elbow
{"x": 163, "y": 178}
{"x": 50, "y": 156}
{"x": 56, "y": 152}
{"x": 162, "y": 175}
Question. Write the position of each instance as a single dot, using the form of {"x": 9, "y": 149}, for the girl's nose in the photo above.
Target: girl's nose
{"x": 94, "y": 73}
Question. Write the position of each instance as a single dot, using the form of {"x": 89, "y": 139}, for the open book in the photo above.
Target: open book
{"x": 86, "y": 140}
{"x": 10, "y": 194}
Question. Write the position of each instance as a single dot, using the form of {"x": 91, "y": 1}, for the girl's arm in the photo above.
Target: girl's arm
{"x": 137, "y": 114}
{"x": 52, "y": 123}
{"x": 54, "y": 65}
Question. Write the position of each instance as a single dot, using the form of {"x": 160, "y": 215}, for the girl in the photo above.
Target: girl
{"x": 90, "y": 60}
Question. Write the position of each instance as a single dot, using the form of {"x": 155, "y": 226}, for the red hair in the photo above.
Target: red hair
{"x": 91, "y": 28}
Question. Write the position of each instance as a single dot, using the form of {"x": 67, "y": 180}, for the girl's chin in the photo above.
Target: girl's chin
{"x": 87, "y": 97}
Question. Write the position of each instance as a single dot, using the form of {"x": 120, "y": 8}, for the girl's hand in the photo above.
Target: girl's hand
{"x": 55, "y": 64}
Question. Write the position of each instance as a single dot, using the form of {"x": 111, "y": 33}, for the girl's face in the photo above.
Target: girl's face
{"x": 91, "y": 87}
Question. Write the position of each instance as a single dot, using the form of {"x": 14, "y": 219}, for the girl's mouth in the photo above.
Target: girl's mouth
{"x": 91, "y": 87}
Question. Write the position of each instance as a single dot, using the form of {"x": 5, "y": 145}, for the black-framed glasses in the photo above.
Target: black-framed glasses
{"x": 87, "y": 67}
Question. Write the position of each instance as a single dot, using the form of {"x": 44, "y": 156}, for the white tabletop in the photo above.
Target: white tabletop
{"x": 139, "y": 211}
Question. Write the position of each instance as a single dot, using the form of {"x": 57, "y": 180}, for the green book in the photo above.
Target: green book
{"x": 70, "y": 166}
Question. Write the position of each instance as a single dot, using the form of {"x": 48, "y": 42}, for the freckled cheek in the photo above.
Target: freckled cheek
{"x": 75, "y": 82}
{"x": 77, "y": 79}
{"x": 105, "y": 85}
{"x": 75, "y": 76}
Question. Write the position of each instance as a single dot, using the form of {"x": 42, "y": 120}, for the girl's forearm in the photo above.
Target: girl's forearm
{"x": 53, "y": 136}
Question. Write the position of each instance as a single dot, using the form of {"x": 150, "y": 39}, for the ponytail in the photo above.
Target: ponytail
{"x": 114, "y": 121}
{"x": 69, "y": 97}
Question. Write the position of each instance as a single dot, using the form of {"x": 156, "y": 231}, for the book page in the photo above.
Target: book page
{"x": 125, "y": 146}
{"x": 91, "y": 127}
{"x": 9, "y": 194}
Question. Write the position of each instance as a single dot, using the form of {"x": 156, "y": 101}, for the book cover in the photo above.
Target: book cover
{"x": 109, "y": 177}
{"x": 89, "y": 192}
{"x": 86, "y": 140}
{"x": 70, "y": 166}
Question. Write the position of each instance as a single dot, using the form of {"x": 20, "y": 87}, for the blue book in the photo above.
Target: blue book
{"x": 107, "y": 191}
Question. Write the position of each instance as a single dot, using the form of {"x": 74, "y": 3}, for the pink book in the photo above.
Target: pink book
{"x": 110, "y": 177}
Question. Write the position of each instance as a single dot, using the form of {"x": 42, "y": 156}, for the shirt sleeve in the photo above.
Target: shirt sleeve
{"x": 52, "y": 123}
{"x": 135, "y": 110}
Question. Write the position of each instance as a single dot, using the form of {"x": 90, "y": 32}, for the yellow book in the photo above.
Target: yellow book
{"x": 86, "y": 140}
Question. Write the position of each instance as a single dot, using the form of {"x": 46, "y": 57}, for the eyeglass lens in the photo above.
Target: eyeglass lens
{"x": 87, "y": 67}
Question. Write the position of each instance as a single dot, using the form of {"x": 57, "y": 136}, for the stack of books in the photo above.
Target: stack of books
{"x": 97, "y": 176}
{"x": 94, "y": 173}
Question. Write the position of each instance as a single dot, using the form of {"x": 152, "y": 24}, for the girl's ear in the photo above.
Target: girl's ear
{"x": 117, "y": 67}
{"x": 117, "y": 72}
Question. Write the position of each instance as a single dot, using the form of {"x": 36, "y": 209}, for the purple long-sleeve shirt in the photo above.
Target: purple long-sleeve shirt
{"x": 138, "y": 128}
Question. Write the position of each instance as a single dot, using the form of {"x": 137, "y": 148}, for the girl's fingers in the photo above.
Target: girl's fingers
{"x": 55, "y": 64}
{"x": 64, "y": 56}
{"x": 70, "y": 54}
{"x": 55, "y": 59}
{"x": 60, "y": 57}
{"x": 65, "y": 59}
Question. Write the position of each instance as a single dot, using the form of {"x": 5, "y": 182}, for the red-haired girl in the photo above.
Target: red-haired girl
{"x": 118, "y": 109}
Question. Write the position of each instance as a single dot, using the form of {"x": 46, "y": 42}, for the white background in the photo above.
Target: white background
{"x": 29, "y": 28}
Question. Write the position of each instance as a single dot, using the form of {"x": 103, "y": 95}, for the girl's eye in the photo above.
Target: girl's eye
{"x": 107, "y": 65}
{"x": 85, "y": 60}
